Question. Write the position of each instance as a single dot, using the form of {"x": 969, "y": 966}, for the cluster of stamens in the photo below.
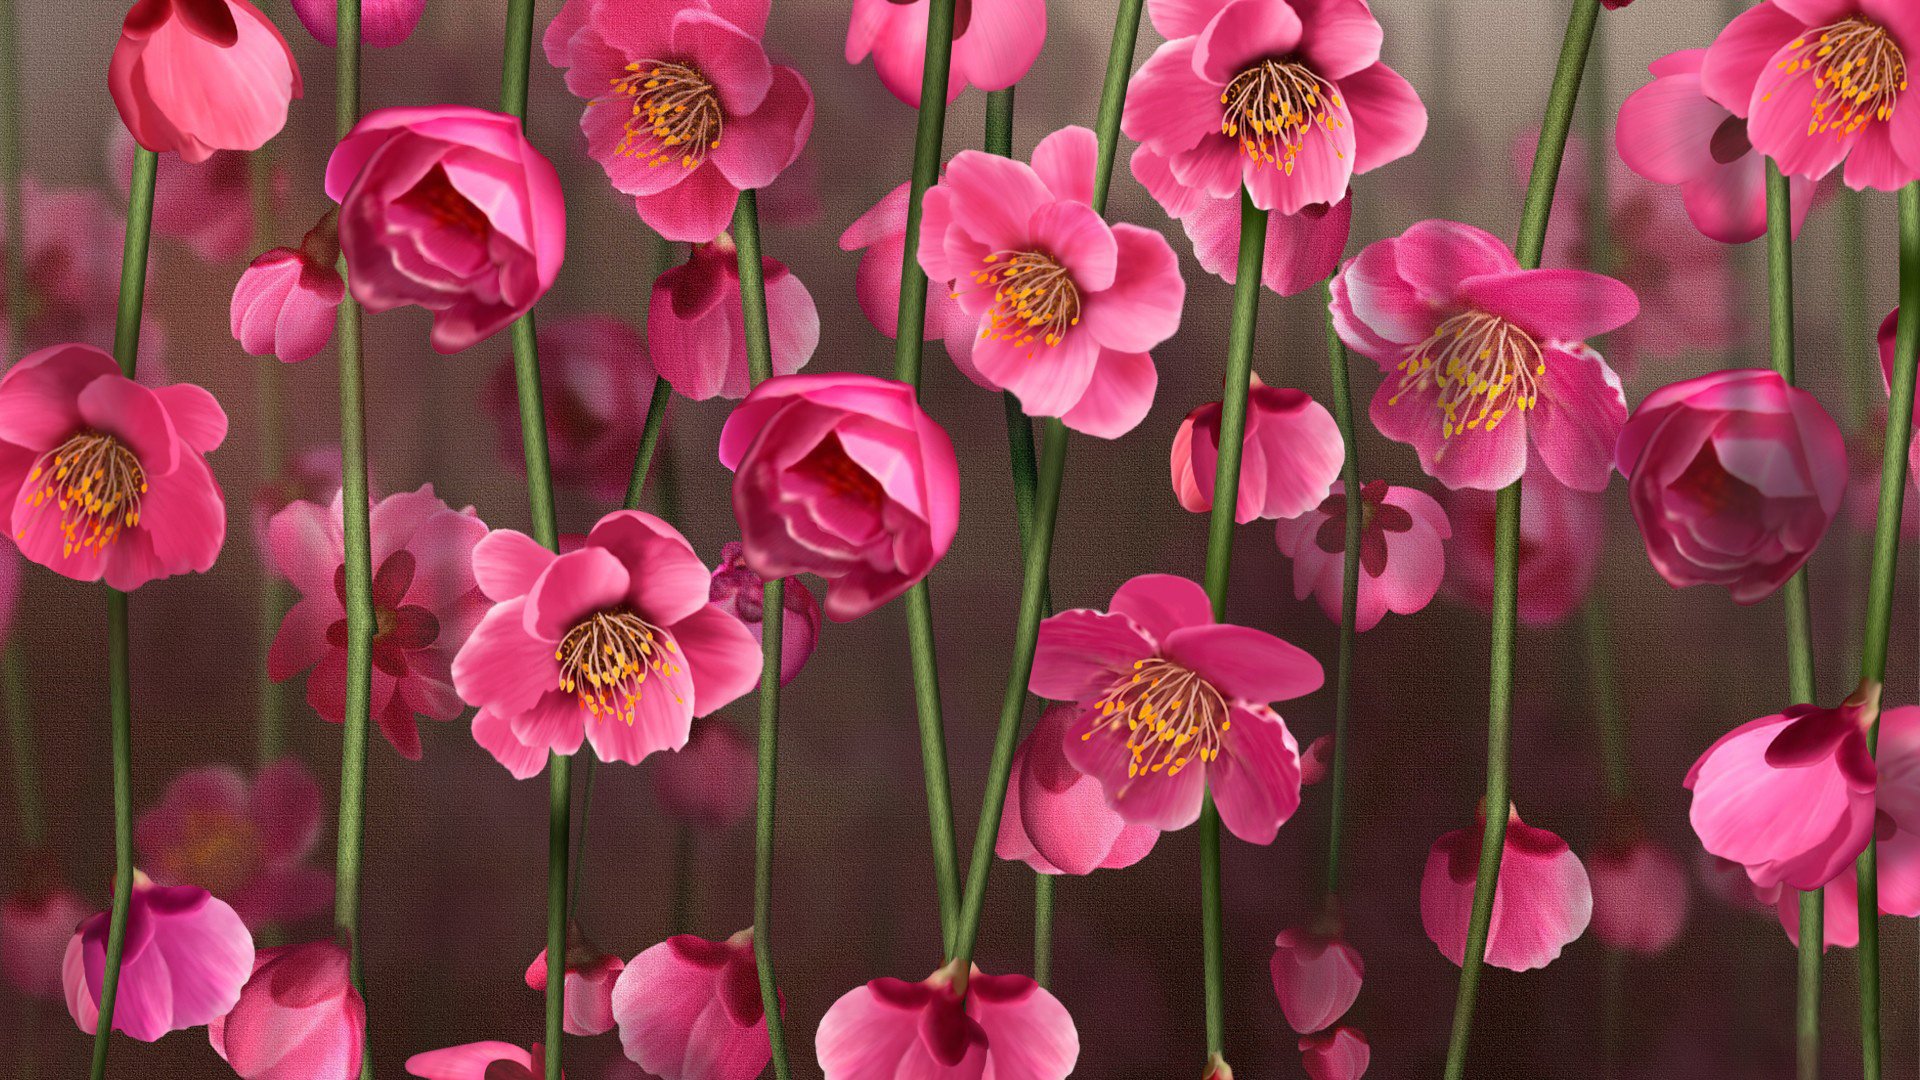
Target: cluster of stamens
{"x": 1273, "y": 106}
{"x": 1173, "y": 717}
{"x": 1034, "y": 298}
{"x": 675, "y": 114}
{"x": 1859, "y": 74}
{"x": 1483, "y": 367}
{"x": 605, "y": 660}
{"x": 96, "y": 484}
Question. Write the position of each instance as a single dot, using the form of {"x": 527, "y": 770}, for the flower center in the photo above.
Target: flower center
{"x": 1172, "y": 716}
{"x": 1033, "y": 296}
{"x": 1859, "y": 74}
{"x": 96, "y": 483}
{"x": 1271, "y": 108}
{"x": 605, "y": 660}
{"x": 1482, "y": 365}
{"x": 676, "y": 114}
{"x": 218, "y": 851}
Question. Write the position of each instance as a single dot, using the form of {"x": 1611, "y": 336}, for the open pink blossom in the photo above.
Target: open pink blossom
{"x": 298, "y": 1017}
{"x": 1340, "y": 1054}
{"x": 880, "y": 235}
{"x": 1402, "y": 557}
{"x": 69, "y": 268}
{"x": 383, "y": 23}
{"x": 1483, "y": 359}
{"x": 843, "y": 476}
{"x": 1562, "y": 533}
{"x": 34, "y": 927}
{"x": 1889, "y": 330}
{"x": 595, "y": 379}
{"x": 1734, "y": 477}
{"x": 1068, "y": 307}
{"x": 694, "y": 328}
{"x": 684, "y": 110}
{"x": 1824, "y": 81}
{"x": 1640, "y": 895}
{"x": 106, "y": 478}
{"x": 1288, "y": 99}
{"x": 285, "y": 301}
{"x": 690, "y": 1009}
{"x": 1290, "y": 457}
{"x": 1173, "y": 703}
{"x": 1541, "y": 902}
{"x": 737, "y": 588}
{"x": 488, "y": 1060}
{"x": 589, "y": 985}
{"x": 1302, "y": 249}
{"x": 207, "y": 205}
{"x": 246, "y": 841}
{"x": 425, "y": 598}
{"x": 709, "y": 784}
{"x": 1316, "y": 977}
{"x": 195, "y": 76}
{"x": 994, "y": 43}
{"x": 1056, "y": 819}
{"x": 614, "y": 642}
{"x": 187, "y": 956}
{"x": 449, "y": 208}
{"x": 1005, "y": 1027}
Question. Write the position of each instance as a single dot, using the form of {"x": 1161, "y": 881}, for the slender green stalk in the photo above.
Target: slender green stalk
{"x": 999, "y": 138}
{"x": 12, "y": 166}
{"x": 1043, "y": 929}
{"x": 1113, "y": 96}
{"x": 576, "y": 857}
{"x": 1349, "y": 599}
{"x": 649, "y": 441}
{"x": 1596, "y": 633}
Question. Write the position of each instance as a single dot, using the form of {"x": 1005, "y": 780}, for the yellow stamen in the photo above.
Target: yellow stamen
{"x": 605, "y": 660}
{"x": 1034, "y": 298}
{"x": 675, "y": 116}
{"x": 1483, "y": 368}
{"x": 96, "y": 483}
{"x": 1272, "y": 107}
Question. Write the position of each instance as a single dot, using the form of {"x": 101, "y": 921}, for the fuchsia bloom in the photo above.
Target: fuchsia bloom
{"x": 1402, "y": 558}
{"x": 1302, "y": 249}
{"x": 690, "y": 1009}
{"x": 1562, "y": 532}
{"x": 1541, "y": 902}
{"x": 488, "y": 1060}
{"x": 298, "y": 1017}
{"x": 106, "y": 477}
{"x": 186, "y": 958}
{"x": 383, "y": 23}
{"x": 844, "y": 476}
{"x": 709, "y": 784}
{"x": 1290, "y": 458}
{"x": 246, "y": 841}
{"x": 736, "y": 587}
{"x": 1000, "y": 1026}
{"x": 684, "y": 110}
{"x": 195, "y": 76}
{"x": 425, "y": 600}
{"x": 1316, "y": 976}
{"x": 452, "y": 209}
{"x": 1734, "y": 477}
{"x": 1056, "y": 820}
{"x": 994, "y": 43}
{"x": 1173, "y": 703}
{"x": 694, "y": 330}
{"x": 1340, "y": 1054}
{"x": 284, "y": 303}
{"x": 595, "y": 379}
{"x": 589, "y": 985}
{"x": 571, "y": 641}
{"x": 1483, "y": 358}
{"x": 880, "y": 235}
{"x": 1067, "y": 306}
{"x": 1821, "y": 81}
{"x": 34, "y": 928}
{"x": 1640, "y": 895}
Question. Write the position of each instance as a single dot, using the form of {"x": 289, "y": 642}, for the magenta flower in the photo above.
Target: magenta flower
{"x": 488, "y": 1060}
{"x": 738, "y": 589}
{"x": 595, "y": 379}
{"x": 1640, "y": 895}
{"x": 1000, "y": 1026}
{"x": 1068, "y": 306}
{"x": 880, "y": 235}
{"x": 298, "y": 1017}
{"x": 449, "y": 208}
{"x": 684, "y": 110}
{"x": 994, "y": 43}
{"x": 1402, "y": 557}
{"x": 843, "y": 476}
{"x": 694, "y": 332}
{"x": 1483, "y": 358}
{"x": 1541, "y": 902}
{"x": 690, "y": 1009}
{"x": 244, "y": 840}
{"x": 186, "y": 958}
{"x": 383, "y": 23}
{"x": 426, "y": 602}
{"x": 1316, "y": 977}
{"x": 284, "y": 304}
{"x": 1734, "y": 477}
{"x": 1056, "y": 819}
{"x": 1822, "y": 81}
{"x": 589, "y": 985}
{"x": 1290, "y": 457}
{"x": 1173, "y": 703}
{"x": 568, "y": 647}
{"x": 1302, "y": 249}
{"x": 1562, "y": 532}
{"x": 709, "y": 784}
{"x": 195, "y": 76}
{"x": 34, "y": 927}
{"x": 1340, "y": 1054}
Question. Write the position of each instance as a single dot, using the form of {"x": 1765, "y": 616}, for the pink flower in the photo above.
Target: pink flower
{"x": 1541, "y": 902}
{"x": 34, "y": 928}
{"x": 207, "y": 205}
{"x": 247, "y": 841}
{"x": 1562, "y": 532}
{"x": 1316, "y": 976}
{"x": 1173, "y": 703}
{"x": 684, "y": 110}
{"x": 1067, "y": 306}
{"x": 1640, "y": 895}
{"x": 690, "y": 1009}
{"x": 709, "y": 784}
{"x": 738, "y": 589}
{"x": 1889, "y": 330}
{"x": 106, "y": 477}
{"x": 1340, "y": 1054}
{"x": 589, "y": 985}
{"x": 880, "y": 235}
{"x": 694, "y": 330}
{"x": 186, "y": 958}
{"x": 1821, "y": 81}
{"x": 995, "y": 42}
{"x": 1289, "y": 99}
{"x": 567, "y": 649}
{"x": 284, "y": 303}
{"x": 1290, "y": 459}
{"x": 1302, "y": 249}
{"x": 1733, "y": 477}
{"x": 478, "y": 1061}
{"x": 70, "y": 270}
{"x": 844, "y": 476}
{"x": 1671, "y": 132}
{"x": 383, "y": 23}
{"x": 595, "y": 379}
{"x": 298, "y": 1017}
{"x": 1483, "y": 358}
{"x": 195, "y": 76}
{"x": 425, "y": 601}
{"x": 1401, "y": 555}
{"x": 1000, "y": 1026}
{"x": 449, "y": 208}
{"x": 1056, "y": 820}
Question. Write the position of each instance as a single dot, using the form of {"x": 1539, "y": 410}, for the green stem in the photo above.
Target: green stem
{"x": 649, "y": 440}
{"x": 1596, "y": 634}
{"x": 12, "y": 166}
{"x": 1113, "y": 96}
{"x": 576, "y": 858}
{"x": 26, "y": 768}
{"x": 1043, "y": 929}
{"x": 1349, "y": 598}
{"x": 999, "y": 138}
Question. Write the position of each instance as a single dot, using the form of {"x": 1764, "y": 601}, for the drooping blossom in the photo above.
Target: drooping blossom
{"x": 595, "y": 378}
{"x": 1402, "y": 557}
{"x": 1316, "y": 760}
{"x": 880, "y": 235}
{"x": 1640, "y": 895}
{"x": 690, "y": 1009}
{"x": 1316, "y": 977}
{"x": 709, "y": 784}
{"x": 383, "y": 23}
{"x": 1483, "y": 359}
{"x": 490, "y": 1060}
{"x": 994, "y": 43}
{"x": 1003, "y": 1026}
{"x": 207, "y": 205}
{"x": 449, "y": 208}
{"x": 1340, "y": 1054}
{"x": 1541, "y": 902}
{"x": 614, "y": 643}
{"x": 298, "y": 1017}
{"x": 843, "y": 476}
{"x": 187, "y": 956}
{"x": 1056, "y": 818}
{"x": 312, "y": 475}
{"x": 684, "y": 110}
{"x": 1290, "y": 456}
{"x": 589, "y": 985}
{"x": 284, "y": 304}
{"x": 244, "y": 840}
{"x": 1824, "y": 81}
{"x": 70, "y": 268}
{"x": 1172, "y": 704}
{"x": 107, "y": 478}
{"x": 1562, "y": 533}
{"x": 694, "y": 328}
{"x": 1302, "y": 249}
{"x": 35, "y": 924}
{"x": 425, "y": 598}
{"x": 738, "y": 589}
{"x": 196, "y": 76}
{"x": 1067, "y": 306}
{"x": 1733, "y": 477}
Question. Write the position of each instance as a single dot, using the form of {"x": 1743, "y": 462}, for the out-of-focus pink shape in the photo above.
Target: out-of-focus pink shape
{"x": 245, "y": 840}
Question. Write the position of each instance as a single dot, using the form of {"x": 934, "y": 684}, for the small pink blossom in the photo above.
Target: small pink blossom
{"x": 690, "y": 1009}
{"x": 1316, "y": 977}
{"x": 1000, "y": 1026}
{"x": 1340, "y": 1054}
{"x": 1541, "y": 902}
{"x": 880, "y": 235}
{"x": 298, "y": 1017}
{"x": 1562, "y": 533}
{"x": 1402, "y": 557}
{"x": 995, "y": 42}
{"x": 1056, "y": 819}
{"x": 284, "y": 304}
{"x": 738, "y": 589}
{"x": 383, "y": 23}
{"x": 589, "y": 985}
{"x": 244, "y": 840}
{"x": 34, "y": 927}
{"x": 195, "y": 76}
{"x": 187, "y": 956}
{"x": 478, "y": 1061}
{"x": 1302, "y": 249}
{"x": 694, "y": 328}
{"x": 709, "y": 784}
{"x": 1640, "y": 895}
{"x": 595, "y": 381}
{"x": 1290, "y": 457}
